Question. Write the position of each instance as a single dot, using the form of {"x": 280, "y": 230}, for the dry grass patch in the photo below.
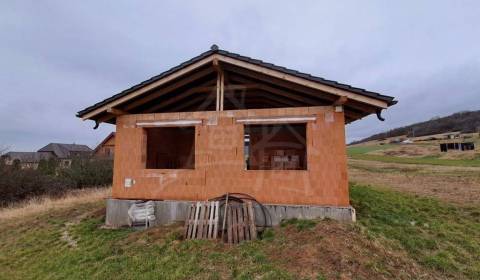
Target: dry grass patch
{"x": 453, "y": 184}
{"x": 44, "y": 204}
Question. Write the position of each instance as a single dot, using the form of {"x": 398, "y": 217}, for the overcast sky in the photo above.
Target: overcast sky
{"x": 58, "y": 57}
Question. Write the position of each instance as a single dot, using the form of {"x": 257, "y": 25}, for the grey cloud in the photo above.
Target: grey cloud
{"x": 58, "y": 57}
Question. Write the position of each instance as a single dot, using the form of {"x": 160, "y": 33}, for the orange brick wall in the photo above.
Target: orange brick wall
{"x": 219, "y": 161}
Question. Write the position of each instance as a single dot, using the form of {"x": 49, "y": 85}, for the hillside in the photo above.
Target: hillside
{"x": 464, "y": 122}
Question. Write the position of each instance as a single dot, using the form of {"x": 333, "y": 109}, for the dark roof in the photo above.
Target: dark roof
{"x": 27, "y": 156}
{"x": 389, "y": 99}
{"x": 63, "y": 150}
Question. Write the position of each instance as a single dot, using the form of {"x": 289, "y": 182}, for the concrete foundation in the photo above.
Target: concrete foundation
{"x": 167, "y": 212}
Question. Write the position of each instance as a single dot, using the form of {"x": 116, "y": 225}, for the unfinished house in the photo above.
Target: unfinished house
{"x": 225, "y": 123}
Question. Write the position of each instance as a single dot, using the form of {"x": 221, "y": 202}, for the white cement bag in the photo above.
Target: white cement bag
{"x": 141, "y": 213}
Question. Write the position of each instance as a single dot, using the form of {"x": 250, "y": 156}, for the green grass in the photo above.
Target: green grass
{"x": 359, "y": 150}
{"x": 36, "y": 251}
{"x": 362, "y": 153}
{"x": 438, "y": 235}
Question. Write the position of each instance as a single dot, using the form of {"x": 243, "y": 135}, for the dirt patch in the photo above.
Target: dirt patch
{"x": 340, "y": 251}
{"x": 459, "y": 185}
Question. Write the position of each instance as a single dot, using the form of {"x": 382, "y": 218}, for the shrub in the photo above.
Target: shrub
{"x": 18, "y": 184}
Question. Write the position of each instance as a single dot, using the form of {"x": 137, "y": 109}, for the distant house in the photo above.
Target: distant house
{"x": 62, "y": 152}
{"x": 25, "y": 159}
{"x": 106, "y": 148}
{"x": 65, "y": 152}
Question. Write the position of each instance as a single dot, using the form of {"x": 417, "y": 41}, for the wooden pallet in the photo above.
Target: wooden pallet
{"x": 202, "y": 220}
{"x": 240, "y": 222}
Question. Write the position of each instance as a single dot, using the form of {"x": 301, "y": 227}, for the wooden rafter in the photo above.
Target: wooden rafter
{"x": 203, "y": 88}
{"x": 193, "y": 101}
{"x": 281, "y": 83}
{"x": 245, "y": 66}
{"x": 304, "y": 99}
{"x": 170, "y": 88}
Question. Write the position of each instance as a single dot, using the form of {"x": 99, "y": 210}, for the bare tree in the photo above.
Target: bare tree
{"x": 3, "y": 149}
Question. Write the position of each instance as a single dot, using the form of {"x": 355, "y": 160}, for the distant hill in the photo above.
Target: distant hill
{"x": 465, "y": 122}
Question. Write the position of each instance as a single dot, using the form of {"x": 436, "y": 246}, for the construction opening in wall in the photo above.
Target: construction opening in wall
{"x": 275, "y": 147}
{"x": 170, "y": 148}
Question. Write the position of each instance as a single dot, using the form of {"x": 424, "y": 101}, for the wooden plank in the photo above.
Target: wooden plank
{"x": 218, "y": 92}
{"x": 274, "y": 120}
{"x": 229, "y": 224}
{"x": 195, "y": 223}
{"x": 241, "y": 225}
{"x": 216, "y": 214}
{"x": 169, "y": 123}
{"x": 222, "y": 91}
{"x": 235, "y": 224}
{"x": 198, "y": 221}
{"x": 187, "y": 222}
{"x": 253, "y": 227}
{"x": 191, "y": 220}
{"x": 205, "y": 220}
{"x": 211, "y": 220}
{"x": 246, "y": 222}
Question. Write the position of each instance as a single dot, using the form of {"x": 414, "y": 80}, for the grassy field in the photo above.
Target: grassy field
{"x": 397, "y": 236}
{"x": 362, "y": 153}
{"x": 436, "y": 234}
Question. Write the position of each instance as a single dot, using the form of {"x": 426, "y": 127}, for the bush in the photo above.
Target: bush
{"x": 50, "y": 179}
{"x": 85, "y": 172}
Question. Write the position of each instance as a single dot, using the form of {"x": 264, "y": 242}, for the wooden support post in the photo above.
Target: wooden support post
{"x": 218, "y": 92}
{"x": 220, "y": 84}
{"x": 222, "y": 90}
{"x": 340, "y": 101}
